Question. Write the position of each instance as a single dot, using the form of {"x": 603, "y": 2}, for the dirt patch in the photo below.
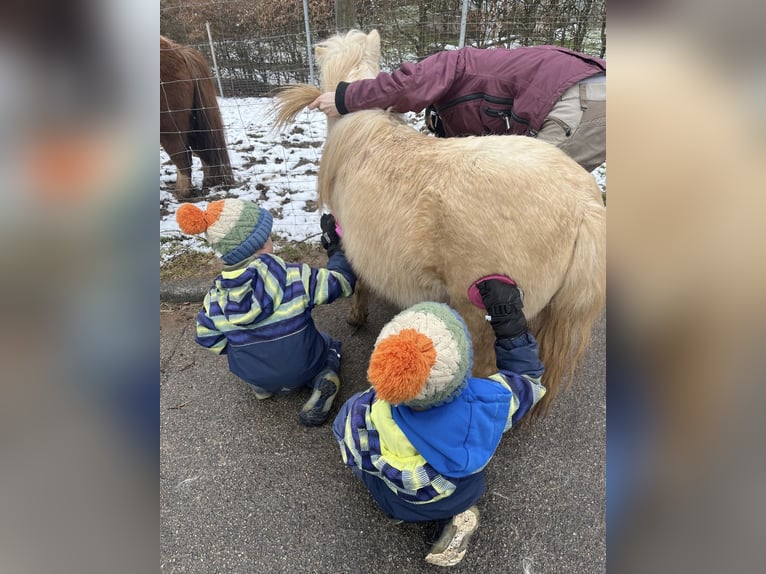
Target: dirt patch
{"x": 177, "y": 313}
{"x": 302, "y": 144}
{"x": 303, "y": 161}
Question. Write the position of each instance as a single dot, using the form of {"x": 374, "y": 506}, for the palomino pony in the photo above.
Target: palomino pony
{"x": 190, "y": 121}
{"x": 424, "y": 217}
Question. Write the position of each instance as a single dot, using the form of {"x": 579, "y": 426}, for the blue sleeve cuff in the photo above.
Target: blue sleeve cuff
{"x": 338, "y": 262}
{"x": 519, "y": 355}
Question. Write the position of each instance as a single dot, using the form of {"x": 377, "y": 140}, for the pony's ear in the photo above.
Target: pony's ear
{"x": 373, "y": 44}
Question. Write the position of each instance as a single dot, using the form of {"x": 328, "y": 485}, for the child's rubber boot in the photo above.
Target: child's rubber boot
{"x": 261, "y": 394}
{"x": 450, "y": 548}
{"x": 317, "y": 408}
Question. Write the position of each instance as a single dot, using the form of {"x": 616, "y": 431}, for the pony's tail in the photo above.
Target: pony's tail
{"x": 563, "y": 328}
{"x": 290, "y": 101}
{"x": 208, "y": 138}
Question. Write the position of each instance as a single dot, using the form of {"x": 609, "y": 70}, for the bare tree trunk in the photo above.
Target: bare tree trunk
{"x": 553, "y": 19}
{"x": 582, "y": 25}
{"x": 345, "y": 15}
{"x": 603, "y": 30}
{"x": 423, "y": 32}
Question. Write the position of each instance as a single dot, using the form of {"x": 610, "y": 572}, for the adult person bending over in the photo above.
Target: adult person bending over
{"x": 548, "y": 92}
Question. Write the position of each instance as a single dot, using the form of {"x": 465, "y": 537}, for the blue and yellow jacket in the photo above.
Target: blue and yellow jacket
{"x": 258, "y": 313}
{"x": 423, "y": 457}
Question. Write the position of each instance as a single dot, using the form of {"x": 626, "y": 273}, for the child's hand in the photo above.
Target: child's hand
{"x": 330, "y": 239}
{"x": 503, "y": 303}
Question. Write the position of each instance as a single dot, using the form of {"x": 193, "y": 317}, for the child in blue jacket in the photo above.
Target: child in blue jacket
{"x": 258, "y": 311}
{"x": 422, "y": 435}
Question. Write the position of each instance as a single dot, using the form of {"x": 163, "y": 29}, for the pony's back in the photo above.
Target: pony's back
{"x": 496, "y": 192}
{"x": 523, "y": 162}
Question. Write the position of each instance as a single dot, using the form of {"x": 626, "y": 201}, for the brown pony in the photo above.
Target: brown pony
{"x": 425, "y": 217}
{"x": 190, "y": 121}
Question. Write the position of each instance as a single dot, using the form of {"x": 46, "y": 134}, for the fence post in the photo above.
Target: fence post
{"x": 308, "y": 41}
{"x": 215, "y": 64}
{"x": 463, "y": 24}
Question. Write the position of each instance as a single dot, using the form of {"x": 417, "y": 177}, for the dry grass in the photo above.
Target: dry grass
{"x": 193, "y": 264}
{"x": 190, "y": 264}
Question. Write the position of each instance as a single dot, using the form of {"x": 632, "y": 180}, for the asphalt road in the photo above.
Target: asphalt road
{"x": 245, "y": 488}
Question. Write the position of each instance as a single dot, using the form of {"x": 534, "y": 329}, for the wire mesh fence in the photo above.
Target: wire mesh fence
{"x": 255, "y": 46}
{"x": 262, "y": 44}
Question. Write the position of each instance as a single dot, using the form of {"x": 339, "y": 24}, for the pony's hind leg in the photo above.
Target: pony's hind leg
{"x": 563, "y": 328}
{"x": 216, "y": 175}
{"x": 357, "y": 315}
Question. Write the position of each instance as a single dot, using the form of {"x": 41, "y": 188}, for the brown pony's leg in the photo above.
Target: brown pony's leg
{"x": 180, "y": 155}
{"x": 357, "y": 316}
{"x": 184, "y": 189}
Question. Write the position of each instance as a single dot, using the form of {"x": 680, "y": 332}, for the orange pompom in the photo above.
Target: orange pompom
{"x": 400, "y": 365}
{"x": 191, "y": 219}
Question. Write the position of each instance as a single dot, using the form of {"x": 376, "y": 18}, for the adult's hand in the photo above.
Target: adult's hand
{"x": 326, "y": 103}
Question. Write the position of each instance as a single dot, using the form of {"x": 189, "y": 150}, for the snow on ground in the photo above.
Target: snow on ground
{"x": 276, "y": 169}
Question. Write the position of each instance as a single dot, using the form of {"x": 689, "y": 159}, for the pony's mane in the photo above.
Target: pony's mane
{"x": 343, "y": 57}
{"x": 348, "y": 57}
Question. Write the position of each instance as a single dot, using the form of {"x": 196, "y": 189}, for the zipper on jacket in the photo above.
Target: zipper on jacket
{"x": 479, "y": 95}
{"x": 507, "y": 115}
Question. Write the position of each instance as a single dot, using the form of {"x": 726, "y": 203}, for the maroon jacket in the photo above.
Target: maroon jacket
{"x": 476, "y": 92}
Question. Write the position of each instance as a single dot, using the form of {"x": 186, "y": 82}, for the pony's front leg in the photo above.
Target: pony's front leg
{"x": 175, "y": 147}
{"x": 357, "y": 315}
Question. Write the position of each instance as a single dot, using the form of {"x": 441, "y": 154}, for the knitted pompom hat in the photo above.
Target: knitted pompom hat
{"x": 422, "y": 357}
{"x": 234, "y": 228}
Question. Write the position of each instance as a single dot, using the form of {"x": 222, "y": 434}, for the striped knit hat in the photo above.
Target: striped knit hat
{"x": 234, "y": 228}
{"x": 422, "y": 357}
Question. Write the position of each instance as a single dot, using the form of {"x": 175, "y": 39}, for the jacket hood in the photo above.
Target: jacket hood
{"x": 459, "y": 438}
{"x": 248, "y": 292}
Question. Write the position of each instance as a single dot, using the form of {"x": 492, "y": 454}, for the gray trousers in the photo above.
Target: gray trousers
{"x": 577, "y": 123}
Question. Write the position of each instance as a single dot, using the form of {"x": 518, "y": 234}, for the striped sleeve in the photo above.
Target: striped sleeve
{"x": 208, "y": 335}
{"x": 520, "y": 371}
{"x": 325, "y": 285}
{"x": 527, "y": 391}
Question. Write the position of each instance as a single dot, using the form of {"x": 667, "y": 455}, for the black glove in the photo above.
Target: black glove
{"x": 503, "y": 303}
{"x": 329, "y": 240}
